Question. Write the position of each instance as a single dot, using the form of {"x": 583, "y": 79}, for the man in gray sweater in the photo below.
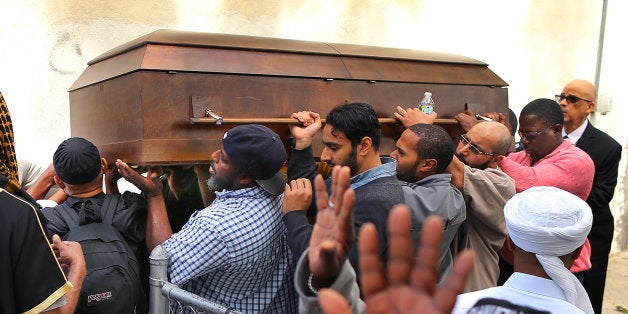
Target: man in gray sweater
{"x": 351, "y": 138}
{"x": 486, "y": 190}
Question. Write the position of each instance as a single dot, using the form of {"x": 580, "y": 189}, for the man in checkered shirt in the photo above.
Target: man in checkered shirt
{"x": 235, "y": 251}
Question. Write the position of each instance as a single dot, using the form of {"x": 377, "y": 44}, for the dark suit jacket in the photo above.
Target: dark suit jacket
{"x": 605, "y": 153}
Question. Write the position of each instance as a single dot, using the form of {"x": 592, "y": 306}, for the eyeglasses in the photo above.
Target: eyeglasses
{"x": 531, "y": 135}
{"x": 474, "y": 149}
{"x": 570, "y": 98}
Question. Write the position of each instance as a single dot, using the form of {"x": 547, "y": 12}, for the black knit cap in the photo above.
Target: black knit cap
{"x": 76, "y": 161}
{"x": 258, "y": 151}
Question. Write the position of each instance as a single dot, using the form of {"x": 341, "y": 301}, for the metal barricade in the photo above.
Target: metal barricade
{"x": 163, "y": 292}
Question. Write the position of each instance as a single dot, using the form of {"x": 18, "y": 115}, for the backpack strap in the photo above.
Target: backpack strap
{"x": 68, "y": 214}
{"x": 108, "y": 208}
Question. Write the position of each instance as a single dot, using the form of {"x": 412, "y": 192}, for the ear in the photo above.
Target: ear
{"x": 509, "y": 244}
{"x": 590, "y": 107}
{"x": 244, "y": 180}
{"x": 495, "y": 161}
{"x": 365, "y": 146}
{"x": 576, "y": 253}
{"x": 59, "y": 182}
{"x": 557, "y": 128}
{"x": 427, "y": 165}
{"x": 103, "y": 165}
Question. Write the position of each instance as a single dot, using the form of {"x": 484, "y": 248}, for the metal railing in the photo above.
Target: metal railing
{"x": 162, "y": 292}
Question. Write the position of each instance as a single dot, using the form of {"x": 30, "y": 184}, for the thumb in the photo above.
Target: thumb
{"x": 332, "y": 302}
{"x": 56, "y": 239}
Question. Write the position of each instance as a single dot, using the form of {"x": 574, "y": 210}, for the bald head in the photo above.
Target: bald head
{"x": 495, "y": 133}
{"x": 582, "y": 88}
{"x": 576, "y": 112}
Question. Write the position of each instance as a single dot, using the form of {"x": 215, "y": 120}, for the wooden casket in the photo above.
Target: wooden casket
{"x": 168, "y": 97}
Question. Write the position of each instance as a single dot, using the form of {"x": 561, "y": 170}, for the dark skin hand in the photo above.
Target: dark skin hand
{"x": 499, "y": 117}
{"x": 411, "y": 116}
{"x": 466, "y": 119}
{"x": 407, "y": 285}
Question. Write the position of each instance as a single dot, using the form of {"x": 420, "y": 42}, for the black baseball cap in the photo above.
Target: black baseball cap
{"x": 260, "y": 153}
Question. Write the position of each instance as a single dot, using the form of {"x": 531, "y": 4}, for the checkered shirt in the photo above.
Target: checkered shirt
{"x": 235, "y": 253}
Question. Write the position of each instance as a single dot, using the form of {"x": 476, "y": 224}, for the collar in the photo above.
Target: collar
{"x": 535, "y": 285}
{"x": 566, "y": 144}
{"x": 577, "y": 133}
{"x": 388, "y": 168}
{"x": 71, "y": 200}
{"x": 434, "y": 179}
{"x": 255, "y": 192}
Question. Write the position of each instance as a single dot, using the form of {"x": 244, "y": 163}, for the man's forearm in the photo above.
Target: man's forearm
{"x": 158, "y": 227}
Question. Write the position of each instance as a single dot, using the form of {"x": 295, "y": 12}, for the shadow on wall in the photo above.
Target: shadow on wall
{"x": 621, "y": 203}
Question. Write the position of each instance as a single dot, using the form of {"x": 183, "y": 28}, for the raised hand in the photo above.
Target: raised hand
{"x": 309, "y": 123}
{"x": 69, "y": 253}
{"x": 408, "y": 284}
{"x": 151, "y": 185}
{"x": 333, "y": 234}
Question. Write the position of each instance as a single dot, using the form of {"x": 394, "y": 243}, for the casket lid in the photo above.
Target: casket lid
{"x": 173, "y": 50}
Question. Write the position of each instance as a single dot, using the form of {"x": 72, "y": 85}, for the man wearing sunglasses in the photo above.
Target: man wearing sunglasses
{"x": 577, "y": 100}
{"x": 485, "y": 189}
{"x": 548, "y": 160}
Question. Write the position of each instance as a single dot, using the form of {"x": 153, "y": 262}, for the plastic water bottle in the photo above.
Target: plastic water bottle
{"x": 427, "y": 103}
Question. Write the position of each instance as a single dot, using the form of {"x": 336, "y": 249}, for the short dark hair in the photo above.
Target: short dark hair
{"x": 514, "y": 123}
{"x": 546, "y": 110}
{"x": 356, "y": 120}
{"x": 434, "y": 143}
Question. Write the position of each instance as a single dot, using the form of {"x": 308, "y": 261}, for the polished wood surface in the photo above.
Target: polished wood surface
{"x": 145, "y": 101}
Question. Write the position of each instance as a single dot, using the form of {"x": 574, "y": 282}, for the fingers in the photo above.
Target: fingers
{"x": 449, "y": 289}
{"x": 400, "y": 248}
{"x": 328, "y": 259}
{"x": 331, "y": 302}
{"x": 297, "y": 195}
{"x": 322, "y": 201}
{"x": 345, "y": 219}
{"x": 400, "y": 114}
{"x": 56, "y": 240}
{"x": 306, "y": 118}
{"x": 416, "y": 116}
{"x": 340, "y": 184}
{"x": 372, "y": 276}
{"x": 425, "y": 273}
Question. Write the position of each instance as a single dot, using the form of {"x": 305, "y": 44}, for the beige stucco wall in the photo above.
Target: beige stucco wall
{"x": 535, "y": 45}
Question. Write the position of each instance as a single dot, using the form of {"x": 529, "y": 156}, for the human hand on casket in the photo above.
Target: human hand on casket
{"x": 499, "y": 117}
{"x": 412, "y": 116}
{"x": 151, "y": 184}
{"x": 303, "y": 132}
{"x": 466, "y": 119}
{"x": 333, "y": 234}
{"x": 112, "y": 175}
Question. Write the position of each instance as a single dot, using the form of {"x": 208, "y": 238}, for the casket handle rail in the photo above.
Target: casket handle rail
{"x": 213, "y": 118}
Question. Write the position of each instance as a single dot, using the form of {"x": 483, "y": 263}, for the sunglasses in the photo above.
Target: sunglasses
{"x": 570, "y": 98}
{"x": 474, "y": 149}
{"x": 531, "y": 135}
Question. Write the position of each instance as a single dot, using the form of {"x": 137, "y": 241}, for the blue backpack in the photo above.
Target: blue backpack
{"x": 112, "y": 283}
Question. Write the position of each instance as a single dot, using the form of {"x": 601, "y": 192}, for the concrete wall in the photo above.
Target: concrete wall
{"x": 536, "y": 46}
